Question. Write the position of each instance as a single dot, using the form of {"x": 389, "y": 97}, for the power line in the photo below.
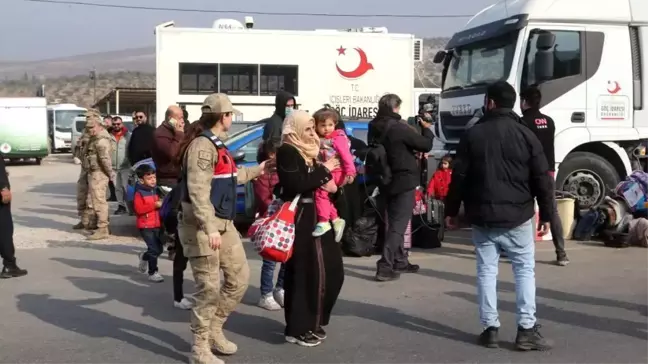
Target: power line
{"x": 151, "y": 8}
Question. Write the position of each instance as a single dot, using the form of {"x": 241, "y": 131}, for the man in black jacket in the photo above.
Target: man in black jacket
{"x": 544, "y": 128}
{"x": 141, "y": 140}
{"x": 284, "y": 104}
{"x": 498, "y": 172}
{"x": 401, "y": 143}
{"x": 7, "y": 249}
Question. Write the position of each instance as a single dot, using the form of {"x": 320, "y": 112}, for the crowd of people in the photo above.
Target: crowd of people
{"x": 502, "y": 167}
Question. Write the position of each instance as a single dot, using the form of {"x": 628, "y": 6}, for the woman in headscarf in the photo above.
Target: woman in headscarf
{"x": 314, "y": 274}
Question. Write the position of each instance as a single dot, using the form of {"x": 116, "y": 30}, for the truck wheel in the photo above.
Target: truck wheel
{"x": 588, "y": 176}
{"x": 39, "y": 161}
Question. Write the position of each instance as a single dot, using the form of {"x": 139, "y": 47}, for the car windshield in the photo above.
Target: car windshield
{"x": 241, "y": 135}
{"x": 65, "y": 119}
{"x": 482, "y": 62}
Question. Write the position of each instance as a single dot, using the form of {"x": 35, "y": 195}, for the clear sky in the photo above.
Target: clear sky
{"x": 33, "y": 31}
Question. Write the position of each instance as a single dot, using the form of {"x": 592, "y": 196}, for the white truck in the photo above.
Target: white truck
{"x": 590, "y": 60}
{"x": 348, "y": 69}
{"x": 23, "y": 128}
{"x": 60, "y": 124}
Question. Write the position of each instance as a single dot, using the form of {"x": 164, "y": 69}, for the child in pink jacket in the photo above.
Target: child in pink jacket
{"x": 333, "y": 143}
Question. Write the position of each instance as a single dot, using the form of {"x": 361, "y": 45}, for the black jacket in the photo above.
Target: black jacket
{"x": 273, "y": 124}
{"x": 141, "y": 143}
{"x": 498, "y": 171}
{"x": 544, "y": 128}
{"x": 4, "y": 175}
{"x": 401, "y": 142}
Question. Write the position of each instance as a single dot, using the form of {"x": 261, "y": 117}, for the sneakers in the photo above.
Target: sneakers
{"x": 308, "y": 340}
{"x": 489, "y": 338}
{"x": 156, "y": 277}
{"x": 142, "y": 265}
{"x": 321, "y": 228}
{"x": 386, "y": 276}
{"x": 320, "y": 333}
{"x": 269, "y": 302}
{"x": 278, "y": 295}
{"x": 562, "y": 260}
{"x": 531, "y": 339}
{"x": 409, "y": 268}
{"x": 338, "y": 228}
{"x": 184, "y": 304}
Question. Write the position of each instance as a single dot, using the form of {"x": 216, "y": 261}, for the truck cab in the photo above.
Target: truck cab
{"x": 590, "y": 65}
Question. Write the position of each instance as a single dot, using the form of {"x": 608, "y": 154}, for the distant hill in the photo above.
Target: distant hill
{"x": 67, "y": 79}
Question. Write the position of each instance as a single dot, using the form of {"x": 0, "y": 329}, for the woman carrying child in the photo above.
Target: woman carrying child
{"x": 333, "y": 144}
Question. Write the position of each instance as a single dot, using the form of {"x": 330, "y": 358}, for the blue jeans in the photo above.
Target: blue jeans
{"x": 154, "y": 248}
{"x": 519, "y": 245}
{"x": 267, "y": 276}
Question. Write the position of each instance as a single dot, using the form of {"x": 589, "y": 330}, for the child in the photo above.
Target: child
{"x": 146, "y": 204}
{"x": 264, "y": 185}
{"x": 440, "y": 182}
{"x": 333, "y": 143}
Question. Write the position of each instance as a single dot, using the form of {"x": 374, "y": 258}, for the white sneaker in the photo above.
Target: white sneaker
{"x": 268, "y": 302}
{"x": 185, "y": 304}
{"x": 143, "y": 264}
{"x": 278, "y": 295}
{"x": 156, "y": 277}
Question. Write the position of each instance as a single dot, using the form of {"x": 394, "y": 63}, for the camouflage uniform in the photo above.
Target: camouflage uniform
{"x": 197, "y": 220}
{"x": 84, "y": 203}
{"x": 99, "y": 168}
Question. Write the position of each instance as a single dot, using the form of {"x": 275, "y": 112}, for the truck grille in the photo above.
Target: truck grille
{"x": 453, "y": 126}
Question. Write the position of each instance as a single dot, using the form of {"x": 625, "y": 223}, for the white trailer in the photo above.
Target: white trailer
{"x": 23, "y": 128}
{"x": 590, "y": 60}
{"x": 349, "y": 69}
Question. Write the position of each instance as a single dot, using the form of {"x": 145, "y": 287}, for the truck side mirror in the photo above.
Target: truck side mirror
{"x": 544, "y": 57}
{"x": 439, "y": 57}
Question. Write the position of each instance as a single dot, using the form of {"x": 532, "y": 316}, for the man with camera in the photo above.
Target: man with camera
{"x": 402, "y": 148}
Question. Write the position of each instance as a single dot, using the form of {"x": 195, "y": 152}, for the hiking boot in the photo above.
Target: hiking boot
{"x": 201, "y": 353}
{"x": 121, "y": 210}
{"x": 79, "y": 226}
{"x": 489, "y": 338}
{"x": 409, "y": 268}
{"x": 99, "y": 234}
{"x": 11, "y": 270}
{"x": 531, "y": 339}
{"x": 321, "y": 228}
{"x": 338, "y": 227}
{"x": 386, "y": 276}
{"x": 217, "y": 338}
{"x": 562, "y": 260}
{"x": 307, "y": 340}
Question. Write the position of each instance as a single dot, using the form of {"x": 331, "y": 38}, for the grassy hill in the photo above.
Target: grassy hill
{"x": 67, "y": 79}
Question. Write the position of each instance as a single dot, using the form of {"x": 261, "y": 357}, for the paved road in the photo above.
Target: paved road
{"x": 85, "y": 303}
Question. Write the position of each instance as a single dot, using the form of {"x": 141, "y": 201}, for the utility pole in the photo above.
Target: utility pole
{"x": 93, "y": 77}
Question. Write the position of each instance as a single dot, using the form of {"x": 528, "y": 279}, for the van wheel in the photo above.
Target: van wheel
{"x": 39, "y": 161}
{"x": 588, "y": 176}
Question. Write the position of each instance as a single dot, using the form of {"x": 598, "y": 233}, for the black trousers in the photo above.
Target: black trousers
{"x": 179, "y": 266}
{"x": 7, "y": 248}
{"x": 399, "y": 211}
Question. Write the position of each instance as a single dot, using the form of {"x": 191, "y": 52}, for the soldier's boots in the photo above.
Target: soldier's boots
{"x": 217, "y": 338}
{"x": 79, "y": 226}
{"x": 201, "y": 353}
{"x": 100, "y": 234}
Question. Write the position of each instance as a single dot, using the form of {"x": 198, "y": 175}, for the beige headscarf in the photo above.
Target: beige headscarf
{"x": 293, "y": 133}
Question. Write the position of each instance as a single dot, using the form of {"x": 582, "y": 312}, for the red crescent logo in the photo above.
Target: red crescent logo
{"x": 613, "y": 87}
{"x": 363, "y": 67}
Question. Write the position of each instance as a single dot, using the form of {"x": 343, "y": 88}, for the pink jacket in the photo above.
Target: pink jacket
{"x": 337, "y": 144}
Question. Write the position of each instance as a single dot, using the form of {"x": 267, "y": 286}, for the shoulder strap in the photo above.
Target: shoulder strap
{"x": 214, "y": 139}
{"x": 384, "y": 136}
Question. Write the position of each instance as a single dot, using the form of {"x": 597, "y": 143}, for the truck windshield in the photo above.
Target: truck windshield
{"x": 64, "y": 119}
{"x": 482, "y": 62}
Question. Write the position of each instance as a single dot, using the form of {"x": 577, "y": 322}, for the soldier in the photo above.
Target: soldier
{"x": 206, "y": 230}
{"x": 97, "y": 160}
{"x": 84, "y": 203}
